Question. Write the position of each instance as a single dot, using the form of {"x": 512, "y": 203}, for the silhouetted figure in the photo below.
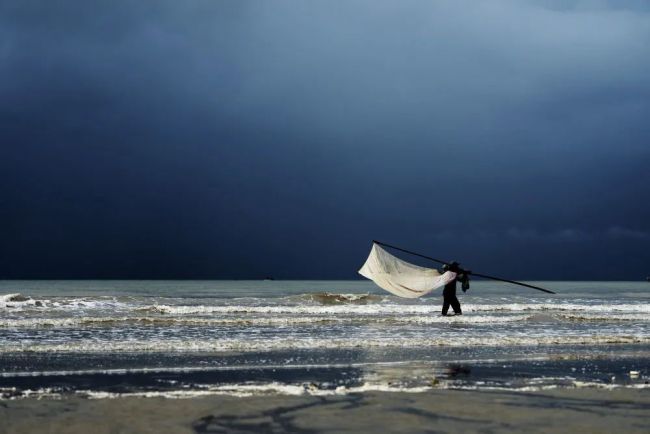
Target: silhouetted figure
{"x": 449, "y": 293}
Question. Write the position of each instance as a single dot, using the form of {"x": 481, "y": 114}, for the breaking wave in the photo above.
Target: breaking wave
{"x": 313, "y": 303}
{"x": 328, "y": 298}
{"x": 308, "y": 389}
{"x": 17, "y": 300}
{"x": 253, "y": 321}
{"x": 374, "y": 309}
{"x": 300, "y": 343}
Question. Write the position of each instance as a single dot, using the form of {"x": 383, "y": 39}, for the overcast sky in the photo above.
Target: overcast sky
{"x": 239, "y": 139}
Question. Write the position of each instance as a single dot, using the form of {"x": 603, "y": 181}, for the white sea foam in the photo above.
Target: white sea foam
{"x": 562, "y": 307}
{"x": 238, "y": 390}
{"x": 249, "y": 344}
{"x": 374, "y": 309}
{"x": 157, "y": 321}
{"x": 310, "y": 389}
{"x": 16, "y": 301}
{"x": 640, "y": 317}
{"x": 335, "y": 304}
{"x": 253, "y": 320}
{"x": 16, "y": 297}
{"x": 539, "y": 387}
{"x": 19, "y": 302}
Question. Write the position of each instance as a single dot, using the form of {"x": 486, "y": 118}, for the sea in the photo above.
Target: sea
{"x": 180, "y": 339}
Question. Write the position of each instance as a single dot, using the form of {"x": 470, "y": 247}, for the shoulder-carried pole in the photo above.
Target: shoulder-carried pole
{"x": 485, "y": 276}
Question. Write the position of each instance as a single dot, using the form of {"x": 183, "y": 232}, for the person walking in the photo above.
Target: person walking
{"x": 449, "y": 292}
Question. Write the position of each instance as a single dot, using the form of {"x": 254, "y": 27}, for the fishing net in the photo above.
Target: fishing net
{"x": 401, "y": 278}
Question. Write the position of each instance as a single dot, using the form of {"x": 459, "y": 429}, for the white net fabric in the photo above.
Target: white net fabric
{"x": 401, "y": 278}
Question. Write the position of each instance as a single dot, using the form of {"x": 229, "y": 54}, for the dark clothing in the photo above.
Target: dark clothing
{"x": 449, "y": 294}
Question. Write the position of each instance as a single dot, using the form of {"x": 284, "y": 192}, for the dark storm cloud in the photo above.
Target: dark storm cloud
{"x": 244, "y": 139}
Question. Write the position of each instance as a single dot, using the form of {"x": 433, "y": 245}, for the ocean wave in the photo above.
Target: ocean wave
{"x": 251, "y": 344}
{"x": 303, "y": 389}
{"x": 17, "y": 300}
{"x": 255, "y": 321}
{"x": 560, "y": 306}
{"x": 595, "y": 317}
{"x": 95, "y": 321}
{"x": 238, "y": 390}
{"x": 17, "y": 297}
{"x": 322, "y": 303}
{"x": 374, "y": 309}
{"x": 328, "y": 298}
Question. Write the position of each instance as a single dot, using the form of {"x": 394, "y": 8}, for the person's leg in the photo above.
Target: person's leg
{"x": 455, "y": 304}
{"x": 445, "y": 306}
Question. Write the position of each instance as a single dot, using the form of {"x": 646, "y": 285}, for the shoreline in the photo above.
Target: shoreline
{"x": 320, "y": 373}
{"x": 560, "y": 410}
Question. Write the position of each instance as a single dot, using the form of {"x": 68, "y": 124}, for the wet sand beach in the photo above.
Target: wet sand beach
{"x": 622, "y": 410}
